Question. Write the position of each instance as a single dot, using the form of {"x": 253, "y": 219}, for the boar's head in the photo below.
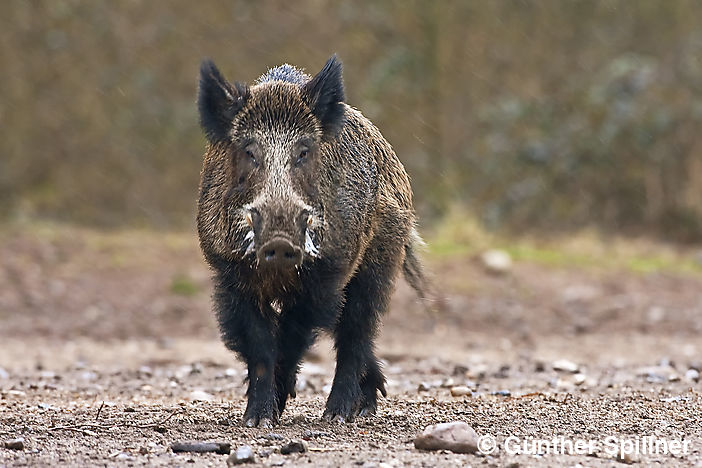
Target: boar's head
{"x": 259, "y": 195}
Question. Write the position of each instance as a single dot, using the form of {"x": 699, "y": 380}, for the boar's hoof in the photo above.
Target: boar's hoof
{"x": 336, "y": 418}
{"x": 368, "y": 410}
{"x": 266, "y": 423}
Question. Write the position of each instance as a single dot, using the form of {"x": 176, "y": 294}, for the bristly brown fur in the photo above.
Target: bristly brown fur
{"x": 344, "y": 197}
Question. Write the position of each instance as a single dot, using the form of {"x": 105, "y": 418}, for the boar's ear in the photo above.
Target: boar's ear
{"x": 218, "y": 101}
{"x": 325, "y": 94}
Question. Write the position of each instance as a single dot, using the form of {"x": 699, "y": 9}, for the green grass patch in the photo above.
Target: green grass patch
{"x": 458, "y": 238}
{"x": 182, "y": 285}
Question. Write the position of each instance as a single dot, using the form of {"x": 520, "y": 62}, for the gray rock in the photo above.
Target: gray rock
{"x": 243, "y": 454}
{"x": 497, "y": 262}
{"x": 14, "y": 444}
{"x": 276, "y": 460}
{"x": 460, "y": 390}
{"x": 200, "y": 395}
{"x": 423, "y": 387}
{"x": 564, "y": 365}
{"x": 692, "y": 375}
{"x": 294, "y": 446}
{"x": 455, "y": 436}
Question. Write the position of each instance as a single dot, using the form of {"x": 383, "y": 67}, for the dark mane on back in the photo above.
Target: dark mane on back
{"x": 286, "y": 73}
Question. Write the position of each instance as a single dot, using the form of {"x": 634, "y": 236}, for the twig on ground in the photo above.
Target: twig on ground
{"x": 102, "y": 405}
{"x": 83, "y": 427}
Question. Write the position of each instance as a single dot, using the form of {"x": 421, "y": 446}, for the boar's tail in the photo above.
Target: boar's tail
{"x": 412, "y": 267}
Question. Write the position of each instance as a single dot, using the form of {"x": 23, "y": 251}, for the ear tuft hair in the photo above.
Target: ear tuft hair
{"x": 325, "y": 94}
{"x": 218, "y": 101}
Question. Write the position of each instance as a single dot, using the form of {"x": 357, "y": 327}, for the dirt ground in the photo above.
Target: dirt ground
{"x": 109, "y": 353}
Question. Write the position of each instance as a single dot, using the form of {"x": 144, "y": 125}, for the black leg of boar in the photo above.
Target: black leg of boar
{"x": 358, "y": 375}
{"x": 305, "y": 215}
{"x": 297, "y": 330}
{"x": 246, "y": 331}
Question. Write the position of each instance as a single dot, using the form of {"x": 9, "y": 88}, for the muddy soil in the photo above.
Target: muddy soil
{"x": 109, "y": 354}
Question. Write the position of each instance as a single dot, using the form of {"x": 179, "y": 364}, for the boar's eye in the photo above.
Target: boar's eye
{"x": 252, "y": 158}
{"x": 302, "y": 156}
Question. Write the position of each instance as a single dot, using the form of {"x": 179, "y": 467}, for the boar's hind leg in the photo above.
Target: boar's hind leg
{"x": 358, "y": 376}
{"x": 246, "y": 331}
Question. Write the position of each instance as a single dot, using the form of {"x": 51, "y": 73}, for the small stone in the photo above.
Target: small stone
{"x": 276, "y": 460}
{"x": 563, "y": 385}
{"x": 4, "y": 375}
{"x": 564, "y": 365}
{"x": 579, "y": 379}
{"x": 200, "y": 395}
{"x": 423, "y": 387}
{"x": 88, "y": 376}
{"x": 655, "y": 315}
{"x": 455, "y": 436}
{"x": 308, "y": 434}
{"x": 460, "y": 390}
{"x": 582, "y": 293}
{"x": 243, "y": 454}
{"x": 301, "y": 384}
{"x": 628, "y": 458}
{"x": 448, "y": 383}
{"x": 273, "y": 436}
{"x": 182, "y": 372}
{"x": 497, "y": 262}
{"x": 692, "y": 375}
{"x": 14, "y": 444}
{"x": 477, "y": 372}
{"x": 294, "y": 446}
{"x": 659, "y": 374}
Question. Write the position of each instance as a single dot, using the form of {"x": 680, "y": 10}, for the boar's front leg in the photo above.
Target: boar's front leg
{"x": 295, "y": 338}
{"x": 358, "y": 375}
{"x": 246, "y": 331}
{"x": 297, "y": 331}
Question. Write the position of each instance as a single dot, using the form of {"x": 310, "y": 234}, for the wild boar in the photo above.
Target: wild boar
{"x": 305, "y": 216}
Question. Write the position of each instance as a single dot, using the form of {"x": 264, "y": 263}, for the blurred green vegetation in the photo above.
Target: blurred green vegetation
{"x": 183, "y": 285}
{"x": 533, "y": 116}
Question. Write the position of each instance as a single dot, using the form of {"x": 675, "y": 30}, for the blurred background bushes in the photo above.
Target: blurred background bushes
{"x": 545, "y": 116}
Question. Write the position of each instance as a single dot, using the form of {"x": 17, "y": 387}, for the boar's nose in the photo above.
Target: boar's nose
{"x": 279, "y": 253}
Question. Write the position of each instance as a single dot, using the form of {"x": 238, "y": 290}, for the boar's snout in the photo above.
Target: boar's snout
{"x": 279, "y": 253}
